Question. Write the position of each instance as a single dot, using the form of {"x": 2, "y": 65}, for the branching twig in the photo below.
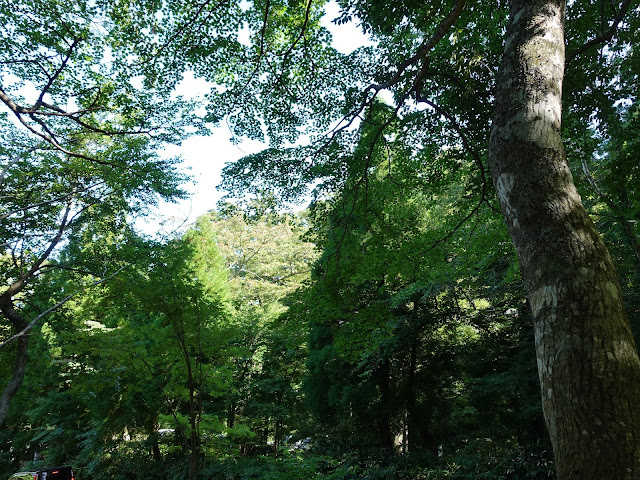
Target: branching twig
{"x": 53, "y": 200}
{"x": 187, "y": 24}
{"x": 420, "y": 55}
{"x": 459, "y": 225}
{"x": 619, "y": 215}
{"x": 56, "y": 74}
{"x": 57, "y": 305}
{"x": 606, "y": 37}
{"x": 22, "y": 280}
{"x": 263, "y": 31}
{"x": 302, "y": 31}
{"x": 11, "y": 163}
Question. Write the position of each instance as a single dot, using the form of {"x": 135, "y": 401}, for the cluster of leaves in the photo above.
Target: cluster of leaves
{"x": 408, "y": 334}
{"x": 182, "y": 354}
{"x": 402, "y": 304}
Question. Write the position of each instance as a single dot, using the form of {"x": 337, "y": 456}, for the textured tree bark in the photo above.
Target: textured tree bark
{"x": 22, "y": 355}
{"x": 587, "y": 360}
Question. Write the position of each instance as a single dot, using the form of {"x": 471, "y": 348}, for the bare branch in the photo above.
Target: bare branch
{"x": 459, "y": 225}
{"x": 462, "y": 135}
{"x": 11, "y": 163}
{"x": 421, "y": 54}
{"x": 13, "y": 106}
{"x": 263, "y": 31}
{"x": 48, "y": 136}
{"x": 186, "y": 25}
{"x": 425, "y": 49}
{"x": 619, "y": 215}
{"x": 53, "y": 200}
{"x": 302, "y": 30}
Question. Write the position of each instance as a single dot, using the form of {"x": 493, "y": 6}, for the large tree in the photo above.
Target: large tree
{"x": 440, "y": 62}
{"x": 587, "y": 360}
{"x": 80, "y": 142}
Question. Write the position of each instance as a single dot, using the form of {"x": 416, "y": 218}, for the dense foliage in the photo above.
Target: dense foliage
{"x": 383, "y": 332}
{"x": 224, "y": 341}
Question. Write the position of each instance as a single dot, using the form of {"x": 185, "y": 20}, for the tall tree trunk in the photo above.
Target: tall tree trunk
{"x": 194, "y": 438}
{"x": 587, "y": 360}
{"x": 412, "y": 430}
{"x": 384, "y": 418}
{"x": 22, "y": 355}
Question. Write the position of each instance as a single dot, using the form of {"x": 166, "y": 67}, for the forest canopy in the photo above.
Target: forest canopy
{"x": 458, "y": 300}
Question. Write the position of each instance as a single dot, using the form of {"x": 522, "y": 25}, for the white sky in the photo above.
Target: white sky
{"x": 204, "y": 157}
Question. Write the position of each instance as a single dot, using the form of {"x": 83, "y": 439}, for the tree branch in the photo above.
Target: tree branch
{"x": 606, "y": 37}
{"x": 53, "y": 200}
{"x": 21, "y": 282}
{"x": 421, "y": 54}
{"x": 56, "y": 74}
{"x": 627, "y": 227}
{"x": 187, "y": 24}
{"x": 57, "y": 305}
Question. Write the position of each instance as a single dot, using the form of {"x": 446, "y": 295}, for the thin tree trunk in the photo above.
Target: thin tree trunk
{"x": 587, "y": 360}
{"x": 155, "y": 449}
{"x": 7, "y": 307}
{"x": 277, "y": 433}
{"x": 194, "y": 440}
{"x": 412, "y": 430}
{"x": 384, "y": 420}
{"x": 231, "y": 415}
{"x": 22, "y": 356}
{"x": 153, "y": 438}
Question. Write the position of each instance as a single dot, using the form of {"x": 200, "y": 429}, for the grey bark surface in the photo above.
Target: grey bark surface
{"x": 587, "y": 360}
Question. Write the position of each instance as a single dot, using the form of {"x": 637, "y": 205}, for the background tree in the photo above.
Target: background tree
{"x": 393, "y": 340}
{"x": 46, "y": 200}
{"x": 147, "y": 350}
{"x": 79, "y": 143}
{"x": 267, "y": 261}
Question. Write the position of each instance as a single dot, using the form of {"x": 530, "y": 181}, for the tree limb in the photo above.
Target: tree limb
{"x": 606, "y": 37}
{"x": 619, "y": 215}
{"x": 48, "y": 202}
{"x": 21, "y": 282}
{"x": 421, "y": 54}
{"x": 56, "y": 74}
{"x": 57, "y": 305}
